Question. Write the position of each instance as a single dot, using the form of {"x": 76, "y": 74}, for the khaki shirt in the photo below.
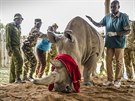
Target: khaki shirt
{"x": 131, "y": 37}
{"x": 13, "y": 34}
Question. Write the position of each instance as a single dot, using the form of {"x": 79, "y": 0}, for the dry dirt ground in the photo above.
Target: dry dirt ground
{"x": 31, "y": 92}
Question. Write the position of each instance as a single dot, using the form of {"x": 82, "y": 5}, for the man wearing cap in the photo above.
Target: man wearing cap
{"x": 30, "y": 61}
{"x": 13, "y": 34}
{"x": 53, "y": 52}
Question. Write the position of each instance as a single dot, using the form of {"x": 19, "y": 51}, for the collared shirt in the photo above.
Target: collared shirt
{"x": 13, "y": 34}
{"x": 117, "y": 23}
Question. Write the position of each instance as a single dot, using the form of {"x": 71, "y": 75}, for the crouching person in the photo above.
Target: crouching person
{"x": 65, "y": 75}
{"x": 42, "y": 47}
{"x": 27, "y": 48}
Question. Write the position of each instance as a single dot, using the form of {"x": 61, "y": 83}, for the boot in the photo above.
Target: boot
{"x": 18, "y": 79}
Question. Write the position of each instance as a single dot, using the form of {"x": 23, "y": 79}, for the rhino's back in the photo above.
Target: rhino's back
{"x": 89, "y": 40}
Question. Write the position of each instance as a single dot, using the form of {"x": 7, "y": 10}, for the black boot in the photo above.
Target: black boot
{"x": 18, "y": 79}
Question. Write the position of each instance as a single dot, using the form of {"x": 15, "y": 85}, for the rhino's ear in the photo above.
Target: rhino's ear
{"x": 56, "y": 63}
{"x": 68, "y": 34}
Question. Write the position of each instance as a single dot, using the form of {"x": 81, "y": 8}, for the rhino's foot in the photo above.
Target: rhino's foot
{"x": 89, "y": 83}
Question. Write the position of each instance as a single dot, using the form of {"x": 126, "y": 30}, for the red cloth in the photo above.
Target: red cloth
{"x": 72, "y": 68}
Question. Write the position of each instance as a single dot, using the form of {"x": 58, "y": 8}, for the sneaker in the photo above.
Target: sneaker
{"x": 108, "y": 83}
{"x": 117, "y": 84}
{"x": 31, "y": 79}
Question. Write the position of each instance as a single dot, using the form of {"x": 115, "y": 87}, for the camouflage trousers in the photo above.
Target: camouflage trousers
{"x": 129, "y": 57}
{"x": 50, "y": 56}
{"x": 29, "y": 61}
{"x": 16, "y": 64}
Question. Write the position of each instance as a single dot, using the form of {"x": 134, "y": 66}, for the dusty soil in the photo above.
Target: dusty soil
{"x": 32, "y": 92}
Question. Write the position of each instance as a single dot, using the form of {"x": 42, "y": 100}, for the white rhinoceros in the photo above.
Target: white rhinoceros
{"x": 65, "y": 75}
{"x": 82, "y": 42}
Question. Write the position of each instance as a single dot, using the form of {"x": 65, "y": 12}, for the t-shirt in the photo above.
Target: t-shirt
{"x": 44, "y": 44}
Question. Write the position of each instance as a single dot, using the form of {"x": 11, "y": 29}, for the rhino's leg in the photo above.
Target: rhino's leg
{"x": 89, "y": 67}
{"x": 52, "y": 78}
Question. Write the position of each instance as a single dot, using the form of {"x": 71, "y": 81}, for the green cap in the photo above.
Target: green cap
{"x": 55, "y": 25}
{"x": 18, "y": 16}
{"x": 38, "y": 20}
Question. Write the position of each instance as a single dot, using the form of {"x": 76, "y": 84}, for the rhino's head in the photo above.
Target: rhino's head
{"x": 58, "y": 65}
{"x": 59, "y": 74}
{"x": 66, "y": 43}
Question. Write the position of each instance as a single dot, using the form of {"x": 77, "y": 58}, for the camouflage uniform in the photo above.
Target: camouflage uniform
{"x": 50, "y": 56}
{"x": 129, "y": 53}
{"x": 13, "y": 34}
{"x": 53, "y": 52}
{"x": 29, "y": 57}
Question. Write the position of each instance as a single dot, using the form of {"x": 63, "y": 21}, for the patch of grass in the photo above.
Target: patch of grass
{"x": 4, "y": 75}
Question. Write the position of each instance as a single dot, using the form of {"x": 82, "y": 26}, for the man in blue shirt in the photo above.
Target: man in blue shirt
{"x": 117, "y": 27}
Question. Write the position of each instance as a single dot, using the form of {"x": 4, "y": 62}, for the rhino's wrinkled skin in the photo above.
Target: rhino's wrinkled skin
{"x": 82, "y": 42}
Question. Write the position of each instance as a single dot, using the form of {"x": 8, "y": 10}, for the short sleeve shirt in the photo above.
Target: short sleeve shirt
{"x": 44, "y": 45}
{"x": 118, "y": 23}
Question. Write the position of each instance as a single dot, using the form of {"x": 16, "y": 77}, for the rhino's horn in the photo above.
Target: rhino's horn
{"x": 52, "y": 78}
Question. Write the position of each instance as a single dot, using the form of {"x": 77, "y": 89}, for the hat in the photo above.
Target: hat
{"x": 38, "y": 20}
{"x": 55, "y": 25}
{"x": 18, "y": 16}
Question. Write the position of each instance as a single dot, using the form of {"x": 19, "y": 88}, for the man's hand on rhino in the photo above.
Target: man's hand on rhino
{"x": 112, "y": 34}
{"x": 50, "y": 28}
{"x": 49, "y": 31}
